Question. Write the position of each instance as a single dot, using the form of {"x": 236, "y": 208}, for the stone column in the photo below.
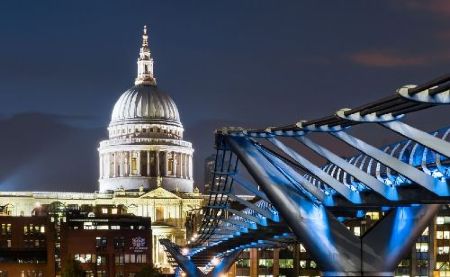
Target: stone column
{"x": 157, "y": 164}
{"x": 121, "y": 169}
{"x": 138, "y": 163}
{"x": 126, "y": 159}
{"x": 100, "y": 169}
{"x": 174, "y": 166}
{"x": 148, "y": 162}
{"x": 178, "y": 155}
{"x": 114, "y": 155}
{"x": 190, "y": 167}
{"x": 183, "y": 170}
{"x": 186, "y": 166}
{"x": 108, "y": 163}
{"x": 165, "y": 167}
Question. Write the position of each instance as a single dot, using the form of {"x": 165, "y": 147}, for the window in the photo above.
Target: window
{"x": 286, "y": 263}
{"x": 373, "y": 215}
{"x": 101, "y": 260}
{"x": 104, "y": 210}
{"x": 8, "y": 243}
{"x": 101, "y": 241}
{"x": 443, "y": 250}
{"x": 119, "y": 243}
{"x": 302, "y": 248}
{"x": 357, "y": 231}
{"x": 442, "y": 220}
{"x": 135, "y": 258}
{"x": 119, "y": 259}
{"x": 114, "y": 210}
{"x": 443, "y": 234}
{"x": 85, "y": 258}
{"x": 421, "y": 247}
{"x": 265, "y": 262}
{"x": 243, "y": 263}
{"x": 303, "y": 264}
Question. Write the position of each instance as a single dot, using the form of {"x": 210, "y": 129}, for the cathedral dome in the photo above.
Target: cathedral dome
{"x": 144, "y": 103}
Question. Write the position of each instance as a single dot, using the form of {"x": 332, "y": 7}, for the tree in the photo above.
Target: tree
{"x": 72, "y": 269}
{"x": 149, "y": 271}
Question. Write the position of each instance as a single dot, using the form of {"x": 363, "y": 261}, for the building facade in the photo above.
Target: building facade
{"x": 106, "y": 241}
{"x": 145, "y": 146}
{"x": 144, "y": 165}
{"x": 27, "y": 246}
{"x": 429, "y": 256}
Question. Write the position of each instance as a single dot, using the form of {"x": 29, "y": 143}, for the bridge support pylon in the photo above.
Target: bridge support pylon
{"x": 337, "y": 250}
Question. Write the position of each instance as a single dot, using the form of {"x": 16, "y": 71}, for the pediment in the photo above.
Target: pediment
{"x": 160, "y": 193}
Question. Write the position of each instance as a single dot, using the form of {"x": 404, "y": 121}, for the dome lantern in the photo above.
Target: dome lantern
{"x": 145, "y": 63}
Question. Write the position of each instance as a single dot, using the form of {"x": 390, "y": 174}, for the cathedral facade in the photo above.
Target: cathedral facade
{"x": 144, "y": 165}
{"x": 145, "y": 146}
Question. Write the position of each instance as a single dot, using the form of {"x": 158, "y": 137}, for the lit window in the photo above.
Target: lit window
{"x": 421, "y": 247}
{"x": 443, "y": 250}
{"x": 302, "y": 248}
{"x": 114, "y": 210}
{"x": 303, "y": 264}
{"x": 8, "y": 242}
{"x": 265, "y": 262}
{"x": 439, "y": 220}
{"x": 42, "y": 229}
{"x": 373, "y": 215}
{"x": 104, "y": 210}
{"x": 357, "y": 231}
{"x": 286, "y": 263}
{"x": 446, "y": 234}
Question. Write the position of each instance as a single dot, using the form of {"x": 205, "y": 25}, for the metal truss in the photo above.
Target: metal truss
{"x": 410, "y": 177}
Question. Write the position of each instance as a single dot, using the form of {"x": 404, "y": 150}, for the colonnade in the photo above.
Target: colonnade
{"x": 146, "y": 163}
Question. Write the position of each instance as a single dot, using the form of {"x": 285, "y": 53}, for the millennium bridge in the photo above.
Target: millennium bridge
{"x": 300, "y": 201}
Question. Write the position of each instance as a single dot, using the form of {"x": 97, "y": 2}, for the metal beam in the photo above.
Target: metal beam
{"x": 428, "y": 182}
{"x": 370, "y": 181}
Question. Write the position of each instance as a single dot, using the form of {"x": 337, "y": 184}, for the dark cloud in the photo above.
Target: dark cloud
{"x": 251, "y": 63}
{"x": 377, "y": 58}
{"x": 40, "y": 152}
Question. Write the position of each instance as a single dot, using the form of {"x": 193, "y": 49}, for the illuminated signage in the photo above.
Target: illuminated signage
{"x": 138, "y": 244}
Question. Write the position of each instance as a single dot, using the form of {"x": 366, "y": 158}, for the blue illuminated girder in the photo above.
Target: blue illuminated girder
{"x": 429, "y": 182}
{"x": 331, "y": 244}
{"x": 370, "y": 181}
{"x": 183, "y": 261}
{"x": 224, "y": 264}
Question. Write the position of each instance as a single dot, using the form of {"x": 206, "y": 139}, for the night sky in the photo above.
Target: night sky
{"x": 246, "y": 63}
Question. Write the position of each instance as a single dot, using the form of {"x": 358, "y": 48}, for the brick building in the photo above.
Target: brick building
{"x": 27, "y": 246}
{"x": 106, "y": 241}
